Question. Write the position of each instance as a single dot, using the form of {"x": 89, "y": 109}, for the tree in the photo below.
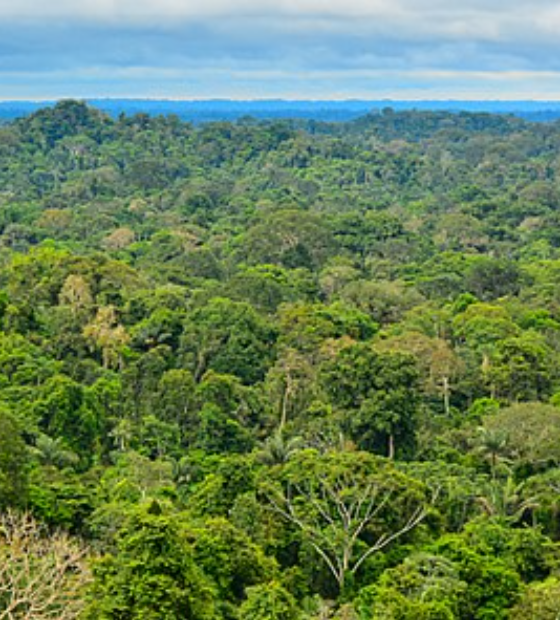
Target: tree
{"x": 378, "y": 394}
{"x": 305, "y": 327}
{"x": 108, "y": 335}
{"x": 53, "y": 453}
{"x": 539, "y": 600}
{"x": 493, "y": 582}
{"x": 176, "y": 398}
{"x": 76, "y": 294}
{"x": 436, "y": 360}
{"x": 423, "y": 587}
{"x": 42, "y": 575}
{"x": 267, "y": 286}
{"x": 153, "y": 575}
{"x": 491, "y": 445}
{"x": 119, "y": 239}
{"x": 232, "y": 560}
{"x": 385, "y": 301}
{"x": 521, "y": 368}
{"x": 543, "y": 490}
{"x": 530, "y": 434}
{"x": 505, "y": 499}
{"x": 269, "y": 602}
{"x": 491, "y": 278}
{"x": 24, "y": 370}
{"x": 135, "y": 478}
{"x": 290, "y": 385}
{"x": 158, "y": 438}
{"x": 13, "y": 461}
{"x": 347, "y": 506}
{"x": 277, "y": 449}
{"x": 482, "y": 325}
{"x": 221, "y": 433}
{"x": 63, "y": 412}
{"x": 291, "y": 238}
{"x": 227, "y": 337}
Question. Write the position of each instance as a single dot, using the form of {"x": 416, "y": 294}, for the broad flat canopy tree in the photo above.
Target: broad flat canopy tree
{"x": 346, "y": 505}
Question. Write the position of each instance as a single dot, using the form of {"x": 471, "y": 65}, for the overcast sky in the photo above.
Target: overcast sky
{"x": 318, "y": 49}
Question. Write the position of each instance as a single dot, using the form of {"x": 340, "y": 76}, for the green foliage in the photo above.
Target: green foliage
{"x": 540, "y": 600}
{"x": 531, "y": 433}
{"x": 261, "y": 364}
{"x": 13, "y": 462}
{"x": 424, "y": 586}
{"x": 493, "y": 585}
{"x": 491, "y": 278}
{"x": 378, "y": 392}
{"x": 268, "y": 602}
{"x": 153, "y": 575}
{"x": 347, "y": 506}
{"x": 227, "y": 337}
{"x": 234, "y": 563}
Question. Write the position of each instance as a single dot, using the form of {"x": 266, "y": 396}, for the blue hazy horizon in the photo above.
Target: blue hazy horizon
{"x": 223, "y": 109}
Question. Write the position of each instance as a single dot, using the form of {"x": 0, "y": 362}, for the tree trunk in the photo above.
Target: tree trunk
{"x": 284, "y": 409}
{"x": 446, "y": 395}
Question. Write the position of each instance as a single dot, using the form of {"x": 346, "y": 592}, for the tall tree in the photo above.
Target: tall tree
{"x": 378, "y": 392}
{"x": 346, "y": 505}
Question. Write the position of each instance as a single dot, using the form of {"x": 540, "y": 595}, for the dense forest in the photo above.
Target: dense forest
{"x": 279, "y": 370}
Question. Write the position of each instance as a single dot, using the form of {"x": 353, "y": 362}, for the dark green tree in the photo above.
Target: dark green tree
{"x": 152, "y": 576}
{"x": 378, "y": 393}
{"x": 14, "y": 459}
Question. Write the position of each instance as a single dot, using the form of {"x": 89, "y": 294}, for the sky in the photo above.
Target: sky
{"x": 294, "y": 49}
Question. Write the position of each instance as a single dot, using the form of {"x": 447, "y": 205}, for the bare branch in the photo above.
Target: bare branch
{"x": 42, "y": 575}
{"x": 333, "y": 512}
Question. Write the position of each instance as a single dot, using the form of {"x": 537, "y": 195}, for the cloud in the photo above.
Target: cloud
{"x": 134, "y": 11}
{"x": 216, "y": 47}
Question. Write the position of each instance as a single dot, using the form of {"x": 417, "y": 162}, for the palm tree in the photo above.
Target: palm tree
{"x": 277, "y": 449}
{"x": 53, "y": 452}
{"x": 492, "y": 445}
{"x": 504, "y": 499}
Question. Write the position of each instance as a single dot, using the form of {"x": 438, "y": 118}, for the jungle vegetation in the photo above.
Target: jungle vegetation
{"x": 279, "y": 370}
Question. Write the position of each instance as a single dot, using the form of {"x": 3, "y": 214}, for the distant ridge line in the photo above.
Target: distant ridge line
{"x": 206, "y": 110}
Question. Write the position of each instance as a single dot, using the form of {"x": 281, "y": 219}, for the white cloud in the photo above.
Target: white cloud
{"x": 138, "y": 9}
{"x": 337, "y": 46}
{"x": 492, "y": 20}
{"x": 131, "y": 9}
